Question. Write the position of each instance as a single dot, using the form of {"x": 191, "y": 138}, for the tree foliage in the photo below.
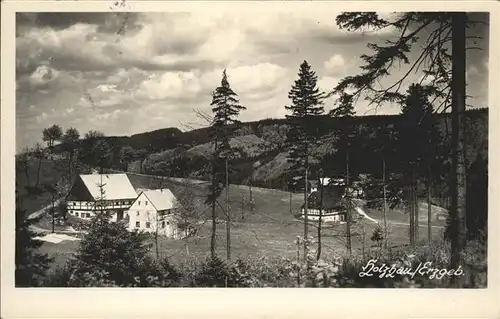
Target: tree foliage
{"x": 444, "y": 72}
{"x": 110, "y": 255}
{"x": 307, "y": 105}
{"x": 127, "y": 155}
{"x": 96, "y": 151}
{"x": 52, "y": 134}
{"x": 31, "y": 265}
{"x": 226, "y": 108}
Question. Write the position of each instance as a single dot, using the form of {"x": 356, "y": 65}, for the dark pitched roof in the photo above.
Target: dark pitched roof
{"x": 332, "y": 198}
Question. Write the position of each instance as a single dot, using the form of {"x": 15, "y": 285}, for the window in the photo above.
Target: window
{"x": 88, "y": 215}
{"x": 137, "y": 224}
{"x": 146, "y": 203}
{"x": 163, "y": 224}
{"x": 139, "y": 203}
{"x": 148, "y": 224}
{"x": 138, "y": 213}
{"x": 76, "y": 214}
{"x": 71, "y": 212}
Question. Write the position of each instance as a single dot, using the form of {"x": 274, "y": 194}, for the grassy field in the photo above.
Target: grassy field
{"x": 32, "y": 199}
{"x": 270, "y": 229}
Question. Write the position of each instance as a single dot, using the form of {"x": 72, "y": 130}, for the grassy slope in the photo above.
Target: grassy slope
{"x": 270, "y": 229}
{"x": 50, "y": 173}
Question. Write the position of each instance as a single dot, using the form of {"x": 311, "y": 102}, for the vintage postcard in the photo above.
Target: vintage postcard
{"x": 190, "y": 145}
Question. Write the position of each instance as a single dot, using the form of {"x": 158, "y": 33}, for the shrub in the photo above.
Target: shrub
{"x": 214, "y": 272}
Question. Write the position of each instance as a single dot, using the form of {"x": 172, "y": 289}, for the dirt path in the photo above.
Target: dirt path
{"x": 40, "y": 212}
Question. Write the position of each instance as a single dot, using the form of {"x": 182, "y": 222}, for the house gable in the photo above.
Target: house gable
{"x": 79, "y": 192}
{"x": 142, "y": 198}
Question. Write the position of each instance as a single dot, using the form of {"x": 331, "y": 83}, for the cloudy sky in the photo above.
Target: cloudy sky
{"x": 126, "y": 74}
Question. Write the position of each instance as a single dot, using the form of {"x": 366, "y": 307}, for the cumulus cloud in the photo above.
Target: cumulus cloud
{"x": 43, "y": 75}
{"x": 125, "y": 73}
{"x": 334, "y": 64}
{"x": 169, "y": 85}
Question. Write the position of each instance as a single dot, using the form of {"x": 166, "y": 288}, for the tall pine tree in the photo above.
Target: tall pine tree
{"x": 307, "y": 105}
{"x": 416, "y": 134}
{"x": 345, "y": 134}
{"x": 226, "y": 108}
{"x": 432, "y": 30}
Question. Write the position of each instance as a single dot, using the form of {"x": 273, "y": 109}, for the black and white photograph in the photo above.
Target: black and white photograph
{"x": 279, "y": 149}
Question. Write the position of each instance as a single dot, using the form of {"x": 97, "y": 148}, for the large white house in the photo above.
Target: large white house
{"x": 155, "y": 210}
{"x": 87, "y": 196}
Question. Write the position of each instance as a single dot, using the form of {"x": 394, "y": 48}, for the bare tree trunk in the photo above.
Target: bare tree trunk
{"x": 156, "y": 238}
{"x": 348, "y": 208}
{"x": 320, "y": 220}
{"x": 429, "y": 213}
{"x": 242, "y": 207}
{"x": 228, "y": 213}
{"x": 415, "y": 206}
{"x": 38, "y": 169}
{"x": 298, "y": 262}
{"x": 26, "y": 172}
{"x": 458, "y": 177}
{"x": 53, "y": 213}
{"x": 214, "y": 216}
{"x": 70, "y": 168}
{"x": 250, "y": 190}
{"x": 411, "y": 214}
{"x": 363, "y": 247}
{"x": 306, "y": 213}
{"x": 291, "y": 210}
{"x": 385, "y": 204}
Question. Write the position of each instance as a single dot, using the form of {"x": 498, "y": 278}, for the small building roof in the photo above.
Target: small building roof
{"x": 161, "y": 199}
{"x": 116, "y": 186}
{"x": 332, "y": 198}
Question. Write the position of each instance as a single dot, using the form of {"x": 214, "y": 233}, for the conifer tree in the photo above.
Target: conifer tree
{"x": 226, "y": 108}
{"x": 31, "y": 265}
{"x": 417, "y": 135}
{"x": 345, "y": 134}
{"x": 306, "y": 106}
{"x": 109, "y": 254}
{"x": 439, "y": 32}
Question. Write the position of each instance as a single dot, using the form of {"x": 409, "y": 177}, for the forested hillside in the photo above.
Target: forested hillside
{"x": 262, "y": 151}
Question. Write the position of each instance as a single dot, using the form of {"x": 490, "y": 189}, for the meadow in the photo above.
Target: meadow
{"x": 269, "y": 229}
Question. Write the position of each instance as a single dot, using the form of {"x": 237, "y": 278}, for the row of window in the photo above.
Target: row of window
{"x": 161, "y": 213}
{"x": 83, "y": 215}
{"x": 145, "y": 203}
{"x": 117, "y": 203}
{"x": 148, "y": 224}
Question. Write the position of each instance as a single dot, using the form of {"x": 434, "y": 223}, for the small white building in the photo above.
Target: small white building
{"x": 155, "y": 210}
{"x": 84, "y": 198}
{"x": 328, "y": 204}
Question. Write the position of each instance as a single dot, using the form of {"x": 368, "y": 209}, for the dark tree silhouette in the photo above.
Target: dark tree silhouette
{"x": 70, "y": 141}
{"x": 307, "y": 105}
{"x": 345, "y": 133}
{"x": 31, "y": 265}
{"x": 226, "y": 108}
{"x": 416, "y": 135}
{"x": 52, "y": 134}
{"x": 127, "y": 155}
{"x": 96, "y": 151}
{"x": 445, "y": 72}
